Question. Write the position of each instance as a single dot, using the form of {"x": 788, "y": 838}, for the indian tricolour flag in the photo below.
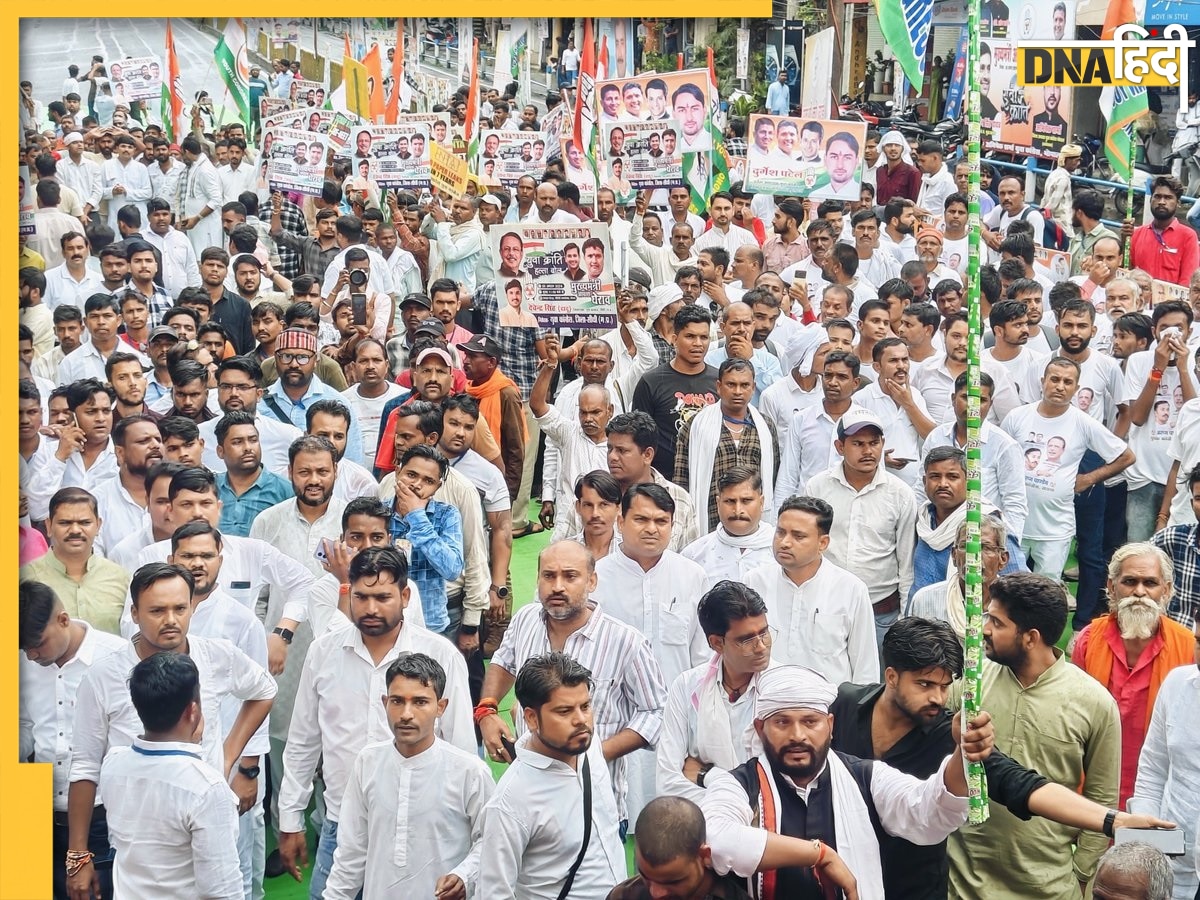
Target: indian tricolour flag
{"x": 1121, "y": 106}
{"x": 905, "y": 25}
{"x": 230, "y": 55}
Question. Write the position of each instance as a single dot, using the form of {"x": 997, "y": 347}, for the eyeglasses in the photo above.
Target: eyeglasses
{"x": 750, "y": 644}
{"x": 301, "y": 358}
{"x": 239, "y": 388}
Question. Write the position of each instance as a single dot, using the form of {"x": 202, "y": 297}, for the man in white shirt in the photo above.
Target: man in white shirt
{"x": 1054, "y": 435}
{"x": 56, "y": 653}
{"x": 343, "y": 677}
{"x": 179, "y": 266}
{"x": 545, "y": 209}
{"x": 200, "y": 216}
{"x": 1003, "y": 468}
{"x": 722, "y": 232}
{"x": 172, "y": 818}
{"x": 742, "y": 540}
{"x": 1012, "y": 206}
{"x": 1009, "y": 321}
{"x": 124, "y": 181}
{"x": 875, "y": 264}
{"x": 655, "y": 590}
{"x": 428, "y": 843}
{"x": 80, "y": 174}
{"x": 551, "y": 829}
{"x": 935, "y": 379}
{"x": 166, "y": 173}
{"x": 708, "y": 721}
{"x": 51, "y": 225}
{"x": 74, "y": 281}
{"x": 937, "y": 182}
{"x": 901, "y": 409}
{"x": 874, "y": 516}
{"x": 628, "y": 680}
{"x": 105, "y": 717}
{"x": 239, "y": 387}
{"x": 821, "y": 610}
{"x": 663, "y": 262}
{"x": 900, "y": 223}
{"x": 238, "y": 175}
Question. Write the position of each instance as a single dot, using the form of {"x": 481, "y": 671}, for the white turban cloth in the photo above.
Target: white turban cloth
{"x": 792, "y": 687}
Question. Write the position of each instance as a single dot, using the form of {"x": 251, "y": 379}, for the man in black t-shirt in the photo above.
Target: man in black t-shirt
{"x": 675, "y": 392}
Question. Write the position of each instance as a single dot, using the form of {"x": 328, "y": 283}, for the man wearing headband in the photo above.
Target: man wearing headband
{"x": 824, "y": 797}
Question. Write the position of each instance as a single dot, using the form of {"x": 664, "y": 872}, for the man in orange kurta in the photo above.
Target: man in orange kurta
{"x": 1132, "y": 648}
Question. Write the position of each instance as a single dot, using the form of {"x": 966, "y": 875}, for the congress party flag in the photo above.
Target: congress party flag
{"x": 905, "y": 25}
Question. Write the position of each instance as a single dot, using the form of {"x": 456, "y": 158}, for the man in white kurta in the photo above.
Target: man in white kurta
{"x": 411, "y": 815}
{"x": 124, "y": 182}
{"x": 822, "y": 611}
{"x": 201, "y": 199}
{"x": 742, "y": 542}
{"x": 655, "y": 590}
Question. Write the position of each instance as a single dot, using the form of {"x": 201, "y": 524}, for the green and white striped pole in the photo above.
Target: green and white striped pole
{"x": 973, "y": 675}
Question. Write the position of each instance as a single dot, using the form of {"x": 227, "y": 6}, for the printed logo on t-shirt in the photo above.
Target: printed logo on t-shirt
{"x": 1043, "y": 458}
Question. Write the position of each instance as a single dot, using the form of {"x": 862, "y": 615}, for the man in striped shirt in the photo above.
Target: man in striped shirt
{"x": 628, "y": 690}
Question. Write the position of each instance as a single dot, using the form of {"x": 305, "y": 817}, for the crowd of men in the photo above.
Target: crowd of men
{"x": 275, "y": 451}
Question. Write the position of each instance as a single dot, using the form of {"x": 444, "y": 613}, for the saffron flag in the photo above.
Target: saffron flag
{"x": 375, "y": 98}
{"x": 230, "y": 56}
{"x": 602, "y": 66}
{"x": 584, "y": 134}
{"x": 401, "y": 95}
{"x": 1121, "y": 106}
{"x": 471, "y": 126}
{"x": 905, "y": 25}
{"x": 172, "y": 91}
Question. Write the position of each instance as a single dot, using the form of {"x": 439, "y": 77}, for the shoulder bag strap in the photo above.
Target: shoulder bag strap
{"x": 276, "y": 409}
{"x": 587, "y": 830}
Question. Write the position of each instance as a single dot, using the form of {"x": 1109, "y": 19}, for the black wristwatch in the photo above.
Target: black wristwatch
{"x": 1109, "y": 818}
{"x": 286, "y": 633}
{"x": 501, "y": 590}
{"x": 704, "y": 770}
{"x": 251, "y": 772}
{"x": 468, "y": 629}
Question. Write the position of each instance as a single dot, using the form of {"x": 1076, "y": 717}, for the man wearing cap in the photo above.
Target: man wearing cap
{"x": 491, "y": 212}
{"x": 298, "y": 387}
{"x": 1057, "y": 195}
{"x": 874, "y": 515}
{"x": 665, "y": 300}
{"x": 124, "y": 181}
{"x": 413, "y": 310}
{"x": 802, "y": 791}
{"x": 897, "y": 177}
{"x": 499, "y": 404}
{"x": 929, "y": 252}
{"x": 80, "y": 174}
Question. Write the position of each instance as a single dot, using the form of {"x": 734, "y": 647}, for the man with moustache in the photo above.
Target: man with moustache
{"x": 1131, "y": 648}
{"x": 742, "y": 541}
{"x": 629, "y": 709}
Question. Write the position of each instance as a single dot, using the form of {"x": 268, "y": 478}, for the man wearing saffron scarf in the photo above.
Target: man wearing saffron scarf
{"x": 797, "y": 788}
{"x": 1131, "y": 649}
{"x": 499, "y": 403}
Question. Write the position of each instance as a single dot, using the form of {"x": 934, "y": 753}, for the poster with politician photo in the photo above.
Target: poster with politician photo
{"x": 284, "y": 32}
{"x": 295, "y": 119}
{"x": 397, "y": 155}
{"x": 800, "y": 157}
{"x": 307, "y": 94}
{"x": 682, "y": 96}
{"x": 579, "y": 170}
{"x": 295, "y": 161}
{"x": 268, "y": 106}
{"x": 554, "y": 276}
{"x": 1025, "y": 120}
{"x": 437, "y": 126}
{"x": 26, "y": 203}
{"x": 507, "y": 155}
{"x": 649, "y": 152}
{"x": 136, "y": 78}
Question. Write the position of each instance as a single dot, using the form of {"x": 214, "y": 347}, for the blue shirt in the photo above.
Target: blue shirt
{"x": 437, "y": 555}
{"x": 929, "y": 565}
{"x": 779, "y": 98}
{"x": 766, "y": 367}
{"x": 238, "y": 513}
{"x": 297, "y": 413}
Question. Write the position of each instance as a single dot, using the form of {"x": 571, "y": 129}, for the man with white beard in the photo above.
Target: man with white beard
{"x": 1135, "y": 637}
{"x": 742, "y": 541}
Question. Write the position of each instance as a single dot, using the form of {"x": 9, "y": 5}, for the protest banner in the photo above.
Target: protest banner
{"x": 284, "y": 32}
{"x": 295, "y": 161}
{"x": 295, "y": 119}
{"x": 1057, "y": 261}
{"x": 318, "y": 120}
{"x": 340, "y": 127}
{"x": 555, "y": 276}
{"x": 1016, "y": 119}
{"x": 649, "y": 150}
{"x": 438, "y": 125}
{"x": 798, "y": 157}
{"x": 507, "y": 155}
{"x": 397, "y": 156}
{"x": 268, "y": 106}
{"x": 617, "y": 36}
{"x": 447, "y": 172}
{"x": 26, "y": 203}
{"x": 682, "y": 96}
{"x": 136, "y": 78}
{"x": 307, "y": 93}
{"x": 579, "y": 170}
{"x": 1162, "y": 291}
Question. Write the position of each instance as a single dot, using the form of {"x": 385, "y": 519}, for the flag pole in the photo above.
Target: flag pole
{"x": 973, "y": 674}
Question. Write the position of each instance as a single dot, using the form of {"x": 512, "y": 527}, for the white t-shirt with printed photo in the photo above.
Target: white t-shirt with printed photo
{"x": 1151, "y": 441}
{"x": 1101, "y": 383}
{"x": 1185, "y": 449}
{"x": 1053, "y": 449}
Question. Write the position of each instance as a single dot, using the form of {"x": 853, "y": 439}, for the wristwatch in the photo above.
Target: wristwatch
{"x": 501, "y": 590}
{"x": 250, "y": 773}
{"x": 704, "y": 770}
{"x": 468, "y": 629}
{"x": 286, "y": 633}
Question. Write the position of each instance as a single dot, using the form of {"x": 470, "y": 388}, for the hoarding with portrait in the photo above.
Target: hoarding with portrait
{"x": 800, "y": 157}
